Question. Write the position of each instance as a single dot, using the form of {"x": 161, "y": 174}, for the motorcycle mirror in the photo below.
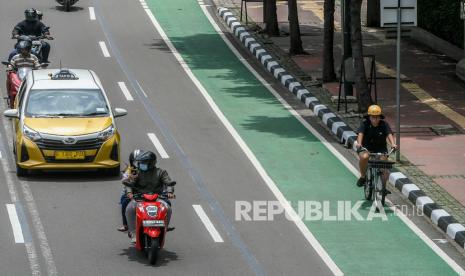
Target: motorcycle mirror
{"x": 119, "y": 112}
{"x": 11, "y": 113}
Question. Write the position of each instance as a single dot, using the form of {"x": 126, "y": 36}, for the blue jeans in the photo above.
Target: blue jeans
{"x": 124, "y": 201}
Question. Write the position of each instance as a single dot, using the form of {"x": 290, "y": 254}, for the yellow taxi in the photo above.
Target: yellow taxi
{"x": 63, "y": 120}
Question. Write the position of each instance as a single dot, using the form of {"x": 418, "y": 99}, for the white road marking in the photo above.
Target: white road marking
{"x": 125, "y": 91}
{"x": 207, "y": 222}
{"x": 341, "y": 158}
{"x": 14, "y": 220}
{"x": 158, "y": 145}
{"x": 104, "y": 48}
{"x": 92, "y": 13}
{"x": 1, "y": 156}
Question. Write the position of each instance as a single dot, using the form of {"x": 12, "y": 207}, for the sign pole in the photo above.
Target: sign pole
{"x": 399, "y": 22}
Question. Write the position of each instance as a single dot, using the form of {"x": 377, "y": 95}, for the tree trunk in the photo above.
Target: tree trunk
{"x": 361, "y": 85}
{"x": 328, "y": 41}
{"x": 264, "y": 11}
{"x": 373, "y": 13}
{"x": 271, "y": 19}
{"x": 294, "y": 29}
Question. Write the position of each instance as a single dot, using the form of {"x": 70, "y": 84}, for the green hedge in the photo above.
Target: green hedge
{"x": 442, "y": 18}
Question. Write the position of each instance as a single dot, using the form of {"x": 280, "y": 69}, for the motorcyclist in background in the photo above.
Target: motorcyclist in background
{"x": 24, "y": 58}
{"x": 33, "y": 26}
{"x": 148, "y": 179}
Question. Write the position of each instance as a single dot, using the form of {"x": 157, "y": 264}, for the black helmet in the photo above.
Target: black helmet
{"x": 24, "y": 45}
{"x": 30, "y": 14}
{"x": 133, "y": 155}
{"x": 146, "y": 161}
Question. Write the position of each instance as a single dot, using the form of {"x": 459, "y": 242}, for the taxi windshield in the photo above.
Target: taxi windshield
{"x": 66, "y": 103}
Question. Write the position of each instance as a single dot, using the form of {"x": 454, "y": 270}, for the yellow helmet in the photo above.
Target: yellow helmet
{"x": 374, "y": 110}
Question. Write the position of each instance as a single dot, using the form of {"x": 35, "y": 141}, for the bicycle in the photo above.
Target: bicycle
{"x": 375, "y": 187}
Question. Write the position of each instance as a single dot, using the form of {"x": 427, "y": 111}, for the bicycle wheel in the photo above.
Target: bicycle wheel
{"x": 379, "y": 194}
{"x": 368, "y": 188}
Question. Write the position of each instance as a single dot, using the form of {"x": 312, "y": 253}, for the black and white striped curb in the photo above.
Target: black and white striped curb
{"x": 337, "y": 126}
{"x": 343, "y": 132}
{"x": 438, "y": 216}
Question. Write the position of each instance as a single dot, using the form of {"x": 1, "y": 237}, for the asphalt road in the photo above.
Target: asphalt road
{"x": 69, "y": 220}
{"x": 79, "y": 212}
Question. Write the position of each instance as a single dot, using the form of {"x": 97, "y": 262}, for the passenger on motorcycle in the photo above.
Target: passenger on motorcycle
{"x": 33, "y": 26}
{"x": 24, "y": 58}
{"x": 148, "y": 179}
{"x": 124, "y": 200}
{"x": 373, "y": 134}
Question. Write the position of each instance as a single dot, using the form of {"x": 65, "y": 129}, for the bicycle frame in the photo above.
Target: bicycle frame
{"x": 375, "y": 187}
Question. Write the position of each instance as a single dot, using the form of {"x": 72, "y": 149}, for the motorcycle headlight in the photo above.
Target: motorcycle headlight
{"x": 31, "y": 134}
{"x": 107, "y": 133}
{"x": 151, "y": 211}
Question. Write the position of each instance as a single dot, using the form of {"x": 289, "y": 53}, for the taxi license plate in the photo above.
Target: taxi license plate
{"x": 70, "y": 155}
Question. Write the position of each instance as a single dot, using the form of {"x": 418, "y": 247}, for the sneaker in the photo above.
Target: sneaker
{"x": 132, "y": 237}
{"x": 122, "y": 228}
{"x": 361, "y": 182}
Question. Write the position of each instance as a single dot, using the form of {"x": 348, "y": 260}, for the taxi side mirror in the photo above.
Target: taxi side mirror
{"x": 119, "y": 112}
{"x": 11, "y": 113}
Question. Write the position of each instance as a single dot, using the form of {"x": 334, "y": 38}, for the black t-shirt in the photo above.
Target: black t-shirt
{"x": 374, "y": 138}
{"x": 25, "y": 27}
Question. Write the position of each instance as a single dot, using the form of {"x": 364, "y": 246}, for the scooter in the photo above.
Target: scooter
{"x": 67, "y": 4}
{"x": 14, "y": 80}
{"x": 151, "y": 225}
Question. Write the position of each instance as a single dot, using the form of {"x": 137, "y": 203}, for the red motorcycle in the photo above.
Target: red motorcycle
{"x": 151, "y": 225}
{"x": 13, "y": 82}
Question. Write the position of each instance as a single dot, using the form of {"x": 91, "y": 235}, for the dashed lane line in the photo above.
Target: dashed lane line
{"x": 158, "y": 145}
{"x": 125, "y": 91}
{"x": 92, "y": 13}
{"x": 104, "y": 48}
{"x": 15, "y": 225}
{"x": 208, "y": 224}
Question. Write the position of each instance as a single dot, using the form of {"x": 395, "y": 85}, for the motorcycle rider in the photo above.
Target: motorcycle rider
{"x": 148, "y": 179}
{"x": 24, "y": 58}
{"x": 33, "y": 26}
{"x": 124, "y": 200}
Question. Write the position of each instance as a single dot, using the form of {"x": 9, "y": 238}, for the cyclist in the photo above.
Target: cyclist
{"x": 373, "y": 134}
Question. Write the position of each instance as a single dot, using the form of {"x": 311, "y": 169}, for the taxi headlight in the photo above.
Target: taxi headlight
{"x": 107, "y": 133}
{"x": 31, "y": 134}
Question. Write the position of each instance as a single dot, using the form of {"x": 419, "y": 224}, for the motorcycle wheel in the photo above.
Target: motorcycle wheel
{"x": 67, "y": 5}
{"x": 153, "y": 251}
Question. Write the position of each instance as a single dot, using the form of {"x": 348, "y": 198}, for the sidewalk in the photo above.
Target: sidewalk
{"x": 432, "y": 104}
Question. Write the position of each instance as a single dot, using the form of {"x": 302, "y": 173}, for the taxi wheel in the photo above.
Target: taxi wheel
{"x": 114, "y": 171}
{"x": 20, "y": 171}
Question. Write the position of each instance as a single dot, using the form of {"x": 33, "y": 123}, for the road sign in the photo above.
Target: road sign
{"x": 389, "y": 12}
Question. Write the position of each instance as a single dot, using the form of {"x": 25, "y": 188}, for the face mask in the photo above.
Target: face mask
{"x": 143, "y": 167}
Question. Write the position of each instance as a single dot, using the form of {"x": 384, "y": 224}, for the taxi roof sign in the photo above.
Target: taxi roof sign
{"x": 64, "y": 74}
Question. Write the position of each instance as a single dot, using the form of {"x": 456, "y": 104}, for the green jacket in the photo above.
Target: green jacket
{"x": 153, "y": 181}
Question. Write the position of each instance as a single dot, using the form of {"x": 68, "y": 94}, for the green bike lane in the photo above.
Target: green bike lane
{"x": 300, "y": 164}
